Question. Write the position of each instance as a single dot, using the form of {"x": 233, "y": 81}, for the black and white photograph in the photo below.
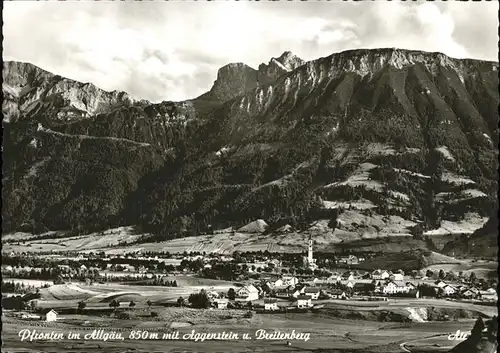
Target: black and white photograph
{"x": 250, "y": 176}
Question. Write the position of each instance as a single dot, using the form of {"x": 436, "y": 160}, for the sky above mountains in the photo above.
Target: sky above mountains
{"x": 172, "y": 50}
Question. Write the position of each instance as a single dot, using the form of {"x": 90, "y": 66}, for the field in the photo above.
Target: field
{"x": 482, "y": 269}
{"x": 107, "y": 239}
{"x": 337, "y": 335}
{"x": 99, "y": 295}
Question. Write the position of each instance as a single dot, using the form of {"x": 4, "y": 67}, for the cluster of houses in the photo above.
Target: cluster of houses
{"x": 465, "y": 291}
{"x": 379, "y": 283}
{"x": 350, "y": 260}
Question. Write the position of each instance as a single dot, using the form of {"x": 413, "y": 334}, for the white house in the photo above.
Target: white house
{"x": 491, "y": 290}
{"x": 348, "y": 277}
{"x": 221, "y": 303}
{"x": 286, "y": 281}
{"x": 467, "y": 293}
{"x": 334, "y": 279}
{"x": 297, "y": 292}
{"x": 474, "y": 290}
{"x": 248, "y": 292}
{"x": 490, "y": 295}
{"x": 397, "y": 277}
{"x": 448, "y": 290}
{"x": 270, "y": 304}
{"x": 252, "y": 267}
{"x": 349, "y": 260}
{"x": 304, "y": 301}
{"x": 350, "y": 284}
{"x": 277, "y": 283}
{"x": 64, "y": 268}
{"x": 50, "y": 316}
{"x": 311, "y": 291}
{"x": 380, "y": 274}
{"x": 393, "y": 287}
{"x": 275, "y": 262}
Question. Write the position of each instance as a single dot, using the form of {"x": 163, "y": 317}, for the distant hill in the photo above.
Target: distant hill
{"x": 482, "y": 243}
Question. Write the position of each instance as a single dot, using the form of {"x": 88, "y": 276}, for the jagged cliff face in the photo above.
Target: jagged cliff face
{"x": 236, "y": 79}
{"x": 383, "y": 141}
{"x": 28, "y": 89}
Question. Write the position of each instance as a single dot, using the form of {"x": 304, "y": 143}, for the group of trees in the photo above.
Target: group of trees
{"x": 199, "y": 300}
{"x": 157, "y": 281}
{"x": 451, "y": 276}
{"x": 19, "y": 288}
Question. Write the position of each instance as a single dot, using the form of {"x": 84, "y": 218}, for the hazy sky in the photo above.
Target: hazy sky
{"x": 172, "y": 50}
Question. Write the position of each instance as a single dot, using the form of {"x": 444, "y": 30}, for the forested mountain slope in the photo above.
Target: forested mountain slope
{"x": 355, "y": 145}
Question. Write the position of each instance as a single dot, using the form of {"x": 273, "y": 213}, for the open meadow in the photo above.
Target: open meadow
{"x": 331, "y": 334}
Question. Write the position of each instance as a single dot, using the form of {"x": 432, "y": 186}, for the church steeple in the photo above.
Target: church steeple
{"x": 310, "y": 250}
{"x": 309, "y": 261}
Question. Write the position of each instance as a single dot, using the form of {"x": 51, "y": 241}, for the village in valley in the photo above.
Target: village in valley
{"x": 260, "y": 281}
{"x": 161, "y": 293}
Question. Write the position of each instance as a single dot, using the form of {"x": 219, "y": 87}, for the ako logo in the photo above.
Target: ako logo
{"x": 459, "y": 336}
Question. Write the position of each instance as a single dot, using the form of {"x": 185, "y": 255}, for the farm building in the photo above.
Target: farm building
{"x": 304, "y": 301}
{"x": 270, "y": 304}
{"x": 313, "y": 292}
{"x": 348, "y": 260}
{"x": 393, "y": 287}
{"x": 49, "y": 315}
{"x": 337, "y": 294}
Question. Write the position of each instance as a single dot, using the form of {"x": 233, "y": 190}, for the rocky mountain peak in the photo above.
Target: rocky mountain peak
{"x": 237, "y": 78}
{"x": 369, "y": 61}
{"x": 28, "y": 89}
{"x": 279, "y": 66}
{"x": 233, "y": 80}
{"x": 290, "y": 60}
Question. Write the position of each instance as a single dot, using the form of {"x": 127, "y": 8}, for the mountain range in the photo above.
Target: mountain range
{"x": 360, "y": 144}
